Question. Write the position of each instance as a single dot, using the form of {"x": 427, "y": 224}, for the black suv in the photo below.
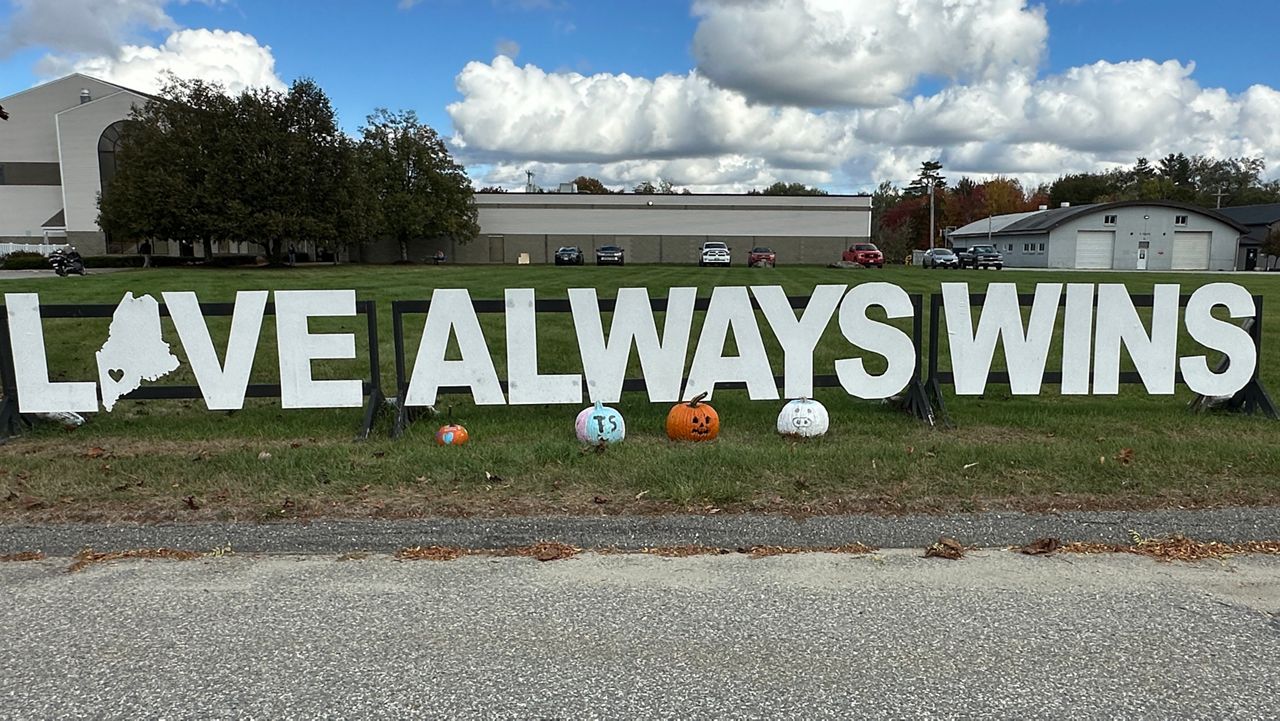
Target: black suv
{"x": 980, "y": 256}
{"x": 569, "y": 255}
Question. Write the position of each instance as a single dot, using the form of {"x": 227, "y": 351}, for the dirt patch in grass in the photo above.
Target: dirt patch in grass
{"x": 21, "y": 556}
{"x": 89, "y": 557}
{"x": 430, "y": 553}
{"x": 1178, "y": 548}
{"x": 404, "y": 502}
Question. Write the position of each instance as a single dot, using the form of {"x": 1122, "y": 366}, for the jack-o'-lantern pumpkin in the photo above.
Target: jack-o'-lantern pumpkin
{"x": 693, "y": 421}
{"x": 598, "y": 424}
{"x": 452, "y": 434}
{"x": 803, "y": 418}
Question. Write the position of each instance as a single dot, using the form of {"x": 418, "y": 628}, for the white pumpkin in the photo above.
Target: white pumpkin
{"x": 804, "y": 418}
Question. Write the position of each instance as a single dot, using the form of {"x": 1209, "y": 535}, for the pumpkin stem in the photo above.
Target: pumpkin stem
{"x": 697, "y": 399}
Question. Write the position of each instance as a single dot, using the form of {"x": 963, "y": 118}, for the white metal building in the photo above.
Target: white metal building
{"x": 56, "y": 149}
{"x": 1131, "y": 235}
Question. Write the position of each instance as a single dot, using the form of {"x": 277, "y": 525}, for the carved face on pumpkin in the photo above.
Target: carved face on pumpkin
{"x": 693, "y": 421}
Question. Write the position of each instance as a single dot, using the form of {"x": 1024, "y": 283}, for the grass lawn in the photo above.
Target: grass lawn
{"x": 171, "y": 460}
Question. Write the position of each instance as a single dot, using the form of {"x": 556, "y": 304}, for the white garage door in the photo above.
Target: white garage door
{"x": 1094, "y": 248}
{"x": 1191, "y": 250}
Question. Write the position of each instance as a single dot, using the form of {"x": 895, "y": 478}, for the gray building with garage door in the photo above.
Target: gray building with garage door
{"x": 1127, "y": 235}
{"x": 529, "y": 227}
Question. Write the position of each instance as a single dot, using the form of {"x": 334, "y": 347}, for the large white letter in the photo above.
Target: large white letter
{"x": 798, "y": 338}
{"x": 525, "y": 385}
{"x": 1118, "y": 324}
{"x": 31, "y": 367}
{"x": 731, "y": 307}
{"x": 1077, "y": 339}
{"x": 451, "y": 311}
{"x": 222, "y": 386}
{"x": 880, "y": 338}
{"x": 1001, "y": 319}
{"x": 1219, "y": 335}
{"x": 605, "y": 363}
{"x": 298, "y": 346}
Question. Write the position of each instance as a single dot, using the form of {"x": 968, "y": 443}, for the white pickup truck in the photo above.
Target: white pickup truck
{"x": 713, "y": 252}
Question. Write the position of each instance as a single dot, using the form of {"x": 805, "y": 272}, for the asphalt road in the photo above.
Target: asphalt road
{"x": 893, "y": 635}
{"x": 631, "y": 532}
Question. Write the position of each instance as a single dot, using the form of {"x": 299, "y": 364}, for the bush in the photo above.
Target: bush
{"x": 113, "y": 261}
{"x": 25, "y": 261}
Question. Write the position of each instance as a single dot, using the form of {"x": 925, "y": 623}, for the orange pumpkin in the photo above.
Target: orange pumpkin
{"x": 693, "y": 421}
{"x": 452, "y": 435}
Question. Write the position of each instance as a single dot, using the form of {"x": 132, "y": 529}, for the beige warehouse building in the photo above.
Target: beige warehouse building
{"x": 529, "y": 227}
{"x": 56, "y": 150}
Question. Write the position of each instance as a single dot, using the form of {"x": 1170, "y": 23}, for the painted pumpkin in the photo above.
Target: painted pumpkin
{"x": 452, "y": 434}
{"x": 598, "y": 424}
{"x": 693, "y": 421}
{"x": 803, "y": 418}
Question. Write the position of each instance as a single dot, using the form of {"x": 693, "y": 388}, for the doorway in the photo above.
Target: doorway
{"x": 1144, "y": 247}
{"x": 1251, "y": 259}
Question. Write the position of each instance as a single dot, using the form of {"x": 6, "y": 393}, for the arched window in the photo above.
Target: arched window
{"x": 108, "y": 146}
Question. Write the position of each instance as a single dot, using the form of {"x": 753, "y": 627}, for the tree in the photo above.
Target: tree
{"x": 169, "y": 181}
{"x": 492, "y": 189}
{"x": 1271, "y": 247}
{"x": 645, "y": 188}
{"x": 590, "y": 186}
{"x": 1080, "y": 189}
{"x": 419, "y": 191}
{"x": 930, "y": 176}
{"x": 781, "y": 188}
{"x": 264, "y": 167}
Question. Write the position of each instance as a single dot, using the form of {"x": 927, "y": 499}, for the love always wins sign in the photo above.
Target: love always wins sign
{"x": 1091, "y": 323}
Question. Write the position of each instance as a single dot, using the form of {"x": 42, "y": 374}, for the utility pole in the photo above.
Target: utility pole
{"x": 1219, "y": 195}
{"x": 931, "y": 230}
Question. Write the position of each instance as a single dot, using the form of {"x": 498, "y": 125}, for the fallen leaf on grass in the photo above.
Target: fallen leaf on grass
{"x": 95, "y": 452}
{"x": 1125, "y": 456}
{"x": 492, "y": 477}
{"x": 88, "y": 556}
{"x": 21, "y": 556}
{"x": 264, "y": 456}
{"x": 1041, "y": 546}
{"x": 641, "y": 494}
{"x": 948, "y": 548}
{"x": 599, "y": 500}
{"x": 190, "y": 502}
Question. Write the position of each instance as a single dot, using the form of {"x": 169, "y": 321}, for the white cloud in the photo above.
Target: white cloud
{"x": 511, "y": 111}
{"x": 234, "y": 59}
{"x": 82, "y": 26}
{"x": 864, "y": 53}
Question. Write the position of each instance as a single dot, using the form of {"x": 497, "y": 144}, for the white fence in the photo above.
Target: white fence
{"x": 41, "y": 248}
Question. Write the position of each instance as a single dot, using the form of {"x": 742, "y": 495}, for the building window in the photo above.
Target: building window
{"x": 1179, "y": 220}
{"x": 1042, "y": 247}
{"x": 108, "y": 146}
{"x": 1010, "y": 247}
{"x": 1108, "y": 220}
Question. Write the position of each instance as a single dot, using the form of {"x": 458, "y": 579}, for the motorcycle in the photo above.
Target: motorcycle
{"x": 66, "y": 262}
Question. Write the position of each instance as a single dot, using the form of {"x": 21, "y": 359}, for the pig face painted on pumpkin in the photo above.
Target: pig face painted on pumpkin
{"x": 803, "y": 418}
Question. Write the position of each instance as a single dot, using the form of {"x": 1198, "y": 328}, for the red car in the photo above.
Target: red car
{"x": 762, "y": 256}
{"x": 864, "y": 254}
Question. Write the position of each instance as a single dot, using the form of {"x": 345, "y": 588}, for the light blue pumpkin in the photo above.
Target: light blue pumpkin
{"x": 599, "y": 424}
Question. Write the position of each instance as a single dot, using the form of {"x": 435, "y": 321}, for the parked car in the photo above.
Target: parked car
{"x": 714, "y": 252}
{"x": 864, "y": 254}
{"x": 981, "y": 256}
{"x": 762, "y": 256}
{"x": 569, "y": 255}
{"x": 940, "y": 258}
{"x": 610, "y": 255}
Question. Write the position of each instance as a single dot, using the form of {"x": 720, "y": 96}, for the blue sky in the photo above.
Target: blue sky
{"x": 381, "y": 53}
